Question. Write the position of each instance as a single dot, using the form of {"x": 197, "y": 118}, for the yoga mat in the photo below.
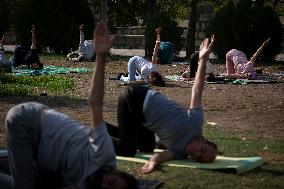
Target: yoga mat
{"x": 253, "y": 81}
{"x": 185, "y": 80}
{"x": 238, "y": 165}
{"x": 49, "y": 70}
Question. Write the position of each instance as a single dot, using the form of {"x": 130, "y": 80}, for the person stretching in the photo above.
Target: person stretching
{"x": 238, "y": 66}
{"x": 48, "y": 149}
{"x": 143, "y": 112}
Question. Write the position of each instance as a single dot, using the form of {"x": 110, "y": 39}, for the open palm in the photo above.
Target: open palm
{"x": 206, "y": 47}
{"x": 102, "y": 40}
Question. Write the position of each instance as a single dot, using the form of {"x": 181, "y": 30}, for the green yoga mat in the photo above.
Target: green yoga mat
{"x": 238, "y": 165}
{"x": 49, "y": 70}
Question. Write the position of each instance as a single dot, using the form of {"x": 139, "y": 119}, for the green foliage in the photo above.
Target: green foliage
{"x": 122, "y": 13}
{"x": 29, "y": 85}
{"x": 176, "y": 9}
{"x": 57, "y": 22}
{"x": 4, "y": 15}
{"x": 245, "y": 26}
{"x": 170, "y": 31}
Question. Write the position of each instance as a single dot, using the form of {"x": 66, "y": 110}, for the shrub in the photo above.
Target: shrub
{"x": 170, "y": 32}
{"x": 245, "y": 26}
{"x": 57, "y": 22}
{"x": 4, "y": 15}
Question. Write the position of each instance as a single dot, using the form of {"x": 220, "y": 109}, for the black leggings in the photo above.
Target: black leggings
{"x": 130, "y": 135}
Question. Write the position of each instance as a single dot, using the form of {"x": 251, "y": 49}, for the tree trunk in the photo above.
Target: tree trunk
{"x": 103, "y": 4}
{"x": 191, "y": 29}
{"x": 150, "y": 11}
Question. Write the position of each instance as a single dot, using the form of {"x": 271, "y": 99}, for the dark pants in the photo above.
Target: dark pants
{"x": 130, "y": 135}
{"x": 24, "y": 56}
{"x": 193, "y": 64}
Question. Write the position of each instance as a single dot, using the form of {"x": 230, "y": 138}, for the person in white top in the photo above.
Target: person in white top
{"x": 147, "y": 70}
{"x": 86, "y": 50}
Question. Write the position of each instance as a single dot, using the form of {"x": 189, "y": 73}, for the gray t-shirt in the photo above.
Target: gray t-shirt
{"x": 174, "y": 124}
{"x": 75, "y": 150}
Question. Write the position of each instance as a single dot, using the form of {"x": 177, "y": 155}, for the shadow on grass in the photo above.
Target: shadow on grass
{"x": 52, "y": 101}
{"x": 270, "y": 169}
{"x": 119, "y": 58}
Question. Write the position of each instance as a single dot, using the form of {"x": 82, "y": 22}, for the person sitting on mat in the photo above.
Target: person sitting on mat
{"x": 86, "y": 50}
{"x": 48, "y": 149}
{"x": 238, "y": 66}
{"x": 148, "y": 71}
{"x": 142, "y": 113}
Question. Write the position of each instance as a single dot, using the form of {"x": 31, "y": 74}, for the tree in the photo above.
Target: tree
{"x": 191, "y": 28}
{"x": 245, "y": 26}
{"x": 4, "y": 15}
{"x": 57, "y": 22}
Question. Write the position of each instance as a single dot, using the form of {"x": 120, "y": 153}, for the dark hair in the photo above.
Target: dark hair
{"x": 157, "y": 79}
{"x": 95, "y": 180}
{"x": 211, "y": 144}
{"x": 40, "y": 66}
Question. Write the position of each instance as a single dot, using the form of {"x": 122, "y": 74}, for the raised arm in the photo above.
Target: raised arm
{"x": 82, "y": 37}
{"x": 157, "y": 46}
{"x": 2, "y": 43}
{"x": 197, "y": 88}
{"x": 256, "y": 54}
{"x": 102, "y": 42}
{"x": 33, "y": 46}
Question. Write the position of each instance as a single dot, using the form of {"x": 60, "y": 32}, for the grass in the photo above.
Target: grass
{"x": 32, "y": 85}
{"x": 269, "y": 176}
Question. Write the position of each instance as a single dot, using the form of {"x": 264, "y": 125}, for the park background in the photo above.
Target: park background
{"x": 245, "y": 120}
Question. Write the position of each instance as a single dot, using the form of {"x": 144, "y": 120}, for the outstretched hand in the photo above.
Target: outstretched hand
{"x": 158, "y": 30}
{"x": 33, "y": 29}
{"x": 206, "y": 47}
{"x": 102, "y": 40}
{"x": 266, "y": 42}
{"x": 81, "y": 28}
{"x": 148, "y": 167}
{"x": 2, "y": 39}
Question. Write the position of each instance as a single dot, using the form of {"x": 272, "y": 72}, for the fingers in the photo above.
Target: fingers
{"x": 33, "y": 28}
{"x": 158, "y": 30}
{"x": 81, "y": 27}
{"x": 100, "y": 30}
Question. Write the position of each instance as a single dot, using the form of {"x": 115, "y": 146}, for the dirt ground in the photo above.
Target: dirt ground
{"x": 243, "y": 109}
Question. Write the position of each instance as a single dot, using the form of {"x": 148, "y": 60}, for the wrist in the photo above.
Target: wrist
{"x": 100, "y": 56}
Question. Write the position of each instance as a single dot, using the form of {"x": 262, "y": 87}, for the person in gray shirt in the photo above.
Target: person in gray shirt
{"x": 48, "y": 149}
{"x": 143, "y": 113}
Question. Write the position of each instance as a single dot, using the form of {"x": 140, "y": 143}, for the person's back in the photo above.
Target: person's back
{"x": 173, "y": 123}
{"x": 142, "y": 66}
{"x": 166, "y": 53}
{"x": 88, "y": 50}
{"x": 71, "y": 148}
